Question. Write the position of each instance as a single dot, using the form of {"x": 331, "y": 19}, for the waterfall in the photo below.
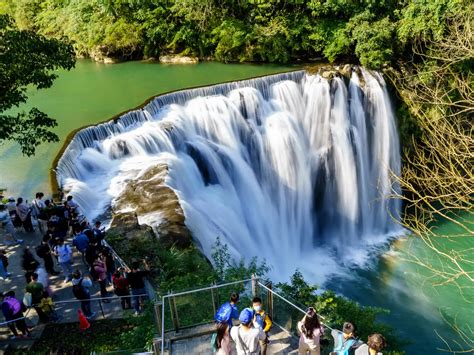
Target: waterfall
{"x": 291, "y": 168}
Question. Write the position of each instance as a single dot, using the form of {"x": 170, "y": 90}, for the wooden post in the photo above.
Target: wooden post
{"x": 157, "y": 308}
{"x": 174, "y": 314}
{"x": 254, "y": 285}
{"x": 270, "y": 300}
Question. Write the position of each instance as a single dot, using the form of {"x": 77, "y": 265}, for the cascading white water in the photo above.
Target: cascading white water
{"x": 292, "y": 168}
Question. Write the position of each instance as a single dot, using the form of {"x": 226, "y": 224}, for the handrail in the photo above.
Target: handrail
{"x": 205, "y": 288}
{"x": 186, "y": 293}
{"x": 291, "y": 304}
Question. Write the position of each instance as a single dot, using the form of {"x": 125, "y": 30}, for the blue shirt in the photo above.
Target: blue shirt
{"x": 81, "y": 242}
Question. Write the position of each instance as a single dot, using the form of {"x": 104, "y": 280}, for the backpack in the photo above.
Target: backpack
{"x": 214, "y": 342}
{"x": 224, "y": 313}
{"x": 343, "y": 348}
{"x": 80, "y": 291}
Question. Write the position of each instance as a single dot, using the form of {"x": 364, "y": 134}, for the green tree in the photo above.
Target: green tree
{"x": 27, "y": 59}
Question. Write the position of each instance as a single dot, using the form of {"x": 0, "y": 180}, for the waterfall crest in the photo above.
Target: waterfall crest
{"x": 292, "y": 168}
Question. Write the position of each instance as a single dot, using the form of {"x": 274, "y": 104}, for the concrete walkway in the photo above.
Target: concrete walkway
{"x": 197, "y": 340}
{"x": 62, "y": 291}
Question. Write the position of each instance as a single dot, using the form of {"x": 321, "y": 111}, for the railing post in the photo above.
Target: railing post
{"x": 254, "y": 285}
{"x": 213, "y": 296}
{"x": 174, "y": 313}
{"x": 157, "y": 310}
{"x": 270, "y": 300}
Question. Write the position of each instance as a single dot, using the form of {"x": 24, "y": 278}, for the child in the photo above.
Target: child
{"x": 263, "y": 321}
{"x": 47, "y": 306}
{"x": 344, "y": 341}
{"x": 375, "y": 343}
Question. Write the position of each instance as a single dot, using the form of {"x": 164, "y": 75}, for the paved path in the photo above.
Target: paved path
{"x": 280, "y": 343}
{"x": 62, "y": 291}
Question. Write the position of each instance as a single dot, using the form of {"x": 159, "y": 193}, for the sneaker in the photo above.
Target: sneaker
{"x": 19, "y": 241}
{"x": 92, "y": 316}
{"x": 136, "y": 314}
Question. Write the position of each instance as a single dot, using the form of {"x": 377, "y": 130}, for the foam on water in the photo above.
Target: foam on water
{"x": 292, "y": 168}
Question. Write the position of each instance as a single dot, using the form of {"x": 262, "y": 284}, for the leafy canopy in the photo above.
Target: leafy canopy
{"x": 27, "y": 59}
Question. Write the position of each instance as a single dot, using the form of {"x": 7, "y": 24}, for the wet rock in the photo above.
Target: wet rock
{"x": 150, "y": 200}
{"x": 178, "y": 59}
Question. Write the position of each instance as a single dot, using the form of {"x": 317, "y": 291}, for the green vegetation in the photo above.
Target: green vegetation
{"x": 182, "y": 269}
{"x": 26, "y": 59}
{"x": 374, "y": 33}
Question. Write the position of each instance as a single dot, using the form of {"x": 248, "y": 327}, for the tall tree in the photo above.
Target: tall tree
{"x": 26, "y": 59}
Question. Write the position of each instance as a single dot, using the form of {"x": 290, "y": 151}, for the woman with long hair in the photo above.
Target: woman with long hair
{"x": 223, "y": 343}
{"x": 311, "y": 331}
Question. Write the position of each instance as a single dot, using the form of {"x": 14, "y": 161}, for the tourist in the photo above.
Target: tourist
{"x": 24, "y": 213}
{"x": 375, "y": 344}
{"x": 29, "y": 263}
{"x": 121, "y": 289}
{"x": 38, "y": 211}
{"x": 81, "y": 242}
{"x": 221, "y": 339}
{"x": 11, "y": 206}
{"x": 47, "y": 306}
{"x": 228, "y": 311}
{"x": 4, "y": 264}
{"x": 263, "y": 321}
{"x": 13, "y": 313}
{"x": 311, "y": 331}
{"x": 64, "y": 254}
{"x": 98, "y": 231}
{"x": 136, "y": 281}
{"x": 72, "y": 206}
{"x": 92, "y": 252}
{"x": 109, "y": 263}
{"x": 7, "y": 226}
{"x": 44, "y": 252}
{"x": 101, "y": 274}
{"x": 80, "y": 289}
{"x": 345, "y": 341}
{"x": 246, "y": 337}
{"x": 36, "y": 290}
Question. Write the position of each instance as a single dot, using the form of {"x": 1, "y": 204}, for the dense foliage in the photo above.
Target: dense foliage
{"x": 27, "y": 58}
{"x": 374, "y": 33}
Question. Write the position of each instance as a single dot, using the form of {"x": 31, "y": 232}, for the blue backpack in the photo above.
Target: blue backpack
{"x": 224, "y": 313}
{"x": 343, "y": 348}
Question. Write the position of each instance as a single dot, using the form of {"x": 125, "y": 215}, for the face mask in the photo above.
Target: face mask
{"x": 257, "y": 308}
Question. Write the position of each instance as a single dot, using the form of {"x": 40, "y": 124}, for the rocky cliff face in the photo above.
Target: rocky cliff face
{"x": 148, "y": 201}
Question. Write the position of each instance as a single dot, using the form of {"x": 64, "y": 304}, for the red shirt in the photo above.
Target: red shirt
{"x": 120, "y": 282}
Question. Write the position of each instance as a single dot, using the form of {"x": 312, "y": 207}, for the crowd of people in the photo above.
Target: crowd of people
{"x": 251, "y": 335}
{"x": 58, "y": 224}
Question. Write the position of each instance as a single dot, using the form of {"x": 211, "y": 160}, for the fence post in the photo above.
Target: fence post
{"x": 214, "y": 304}
{"x": 174, "y": 314}
{"x": 157, "y": 310}
{"x": 270, "y": 300}
{"x": 254, "y": 285}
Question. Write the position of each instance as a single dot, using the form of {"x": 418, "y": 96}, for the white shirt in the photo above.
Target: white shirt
{"x": 251, "y": 338}
{"x": 364, "y": 350}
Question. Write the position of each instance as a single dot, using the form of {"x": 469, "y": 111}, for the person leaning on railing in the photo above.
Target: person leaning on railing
{"x": 135, "y": 278}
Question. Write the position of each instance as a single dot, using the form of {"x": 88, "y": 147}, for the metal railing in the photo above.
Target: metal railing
{"x": 184, "y": 310}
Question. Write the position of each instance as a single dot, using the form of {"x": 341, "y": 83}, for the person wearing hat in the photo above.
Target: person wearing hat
{"x": 248, "y": 334}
